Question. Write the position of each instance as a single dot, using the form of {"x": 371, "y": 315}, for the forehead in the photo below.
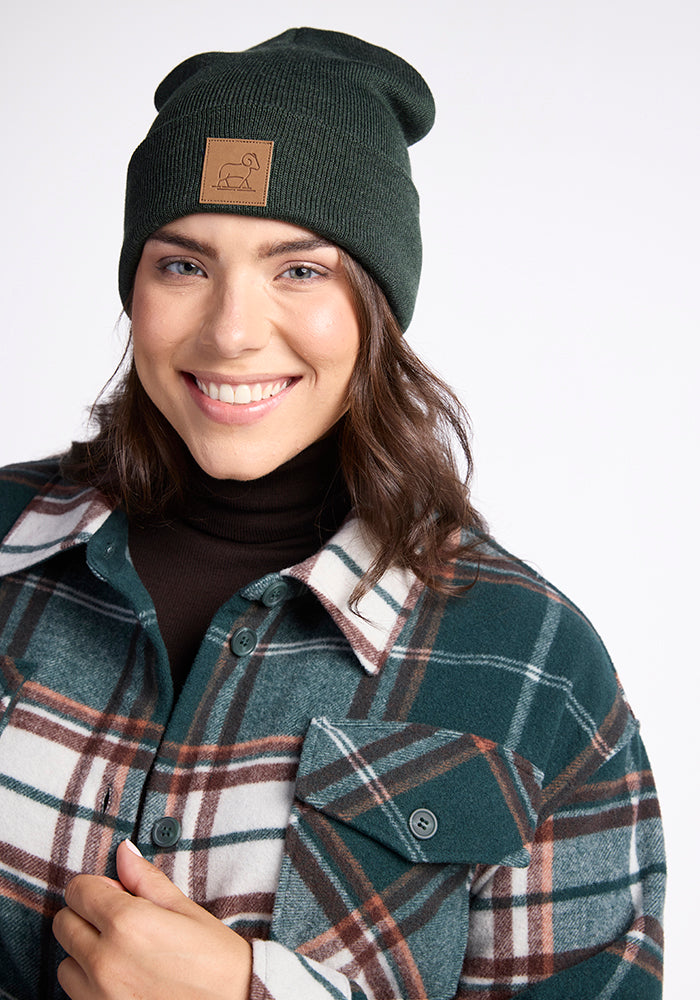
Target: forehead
{"x": 219, "y": 228}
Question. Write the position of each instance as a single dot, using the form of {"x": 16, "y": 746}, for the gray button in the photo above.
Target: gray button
{"x": 166, "y": 832}
{"x": 243, "y": 641}
{"x": 275, "y": 593}
{"x": 423, "y": 824}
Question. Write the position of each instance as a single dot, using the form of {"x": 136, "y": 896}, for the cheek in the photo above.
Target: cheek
{"x": 157, "y": 320}
{"x": 347, "y": 350}
{"x": 334, "y": 342}
{"x": 146, "y": 349}
{"x": 143, "y": 327}
{"x": 152, "y": 353}
{"x": 153, "y": 333}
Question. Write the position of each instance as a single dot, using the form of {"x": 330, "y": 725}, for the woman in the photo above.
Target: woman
{"x": 272, "y": 727}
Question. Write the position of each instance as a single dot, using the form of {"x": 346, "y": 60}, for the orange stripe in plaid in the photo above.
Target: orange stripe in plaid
{"x": 540, "y": 884}
{"x": 352, "y": 930}
{"x": 128, "y": 727}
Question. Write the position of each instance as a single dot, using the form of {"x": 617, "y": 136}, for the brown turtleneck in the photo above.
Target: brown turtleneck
{"x": 229, "y": 533}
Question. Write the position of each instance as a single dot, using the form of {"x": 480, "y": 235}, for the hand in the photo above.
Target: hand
{"x": 140, "y": 937}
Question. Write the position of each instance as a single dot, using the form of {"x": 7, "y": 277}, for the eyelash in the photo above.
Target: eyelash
{"x": 166, "y": 265}
{"x": 314, "y": 272}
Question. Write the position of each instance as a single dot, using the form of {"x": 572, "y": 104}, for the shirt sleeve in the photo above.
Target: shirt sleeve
{"x": 282, "y": 974}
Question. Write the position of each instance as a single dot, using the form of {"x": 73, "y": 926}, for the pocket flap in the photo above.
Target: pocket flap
{"x": 429, "y": 794}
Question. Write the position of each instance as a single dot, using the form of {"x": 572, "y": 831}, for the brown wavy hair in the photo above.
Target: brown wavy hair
{"x": 401, "y": 437}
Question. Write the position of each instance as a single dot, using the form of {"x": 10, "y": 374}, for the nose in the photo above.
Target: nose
{"x": 236, "y": 320}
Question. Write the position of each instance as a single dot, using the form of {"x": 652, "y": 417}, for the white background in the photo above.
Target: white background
{"x": 559, "y": 294}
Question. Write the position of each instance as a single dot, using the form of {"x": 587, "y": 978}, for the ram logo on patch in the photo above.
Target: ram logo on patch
{"x": 236, "y": 172}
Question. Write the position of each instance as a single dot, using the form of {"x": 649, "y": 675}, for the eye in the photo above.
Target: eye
{"x": 303, "y": 272}
{"x": 186, "y": 268}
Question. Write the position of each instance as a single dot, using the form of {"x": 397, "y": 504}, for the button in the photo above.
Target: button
{"x": 275, "y": 593}
{"x": 423, "y": 824}
{"x": 166, "y": 832}
{"x": 243, "y": 641}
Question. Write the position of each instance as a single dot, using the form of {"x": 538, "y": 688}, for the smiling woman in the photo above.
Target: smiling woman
{"x": 256, "y": 331}
{"x": 278, "y": 718}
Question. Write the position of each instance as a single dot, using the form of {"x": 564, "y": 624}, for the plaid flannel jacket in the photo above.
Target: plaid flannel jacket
{"x": 433, "y": 798}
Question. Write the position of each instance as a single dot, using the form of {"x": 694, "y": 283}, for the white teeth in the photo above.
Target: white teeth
{"x": 242, "y": 393}
{"x": 272, "y": 389}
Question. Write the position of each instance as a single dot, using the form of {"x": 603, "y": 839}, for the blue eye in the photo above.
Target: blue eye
{"x": 301, "y": 272}
{"x": 184, "y": 267}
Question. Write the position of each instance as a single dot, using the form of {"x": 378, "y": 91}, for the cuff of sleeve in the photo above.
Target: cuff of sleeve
{"x": 281, "y": 974}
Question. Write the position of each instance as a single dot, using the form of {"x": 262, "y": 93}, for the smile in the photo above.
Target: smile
{"x": 242, "y": 393}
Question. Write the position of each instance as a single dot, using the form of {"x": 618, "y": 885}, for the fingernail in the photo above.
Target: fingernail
{"x": 132, "y": 847}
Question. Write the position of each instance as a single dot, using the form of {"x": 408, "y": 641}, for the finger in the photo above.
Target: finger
{"x": 73, "y": 980}
{"x": 74, "y": 934}
{"x": 92, "y": 897}
{"x": 140, "y": 878}
{"x": 112, "y": 881}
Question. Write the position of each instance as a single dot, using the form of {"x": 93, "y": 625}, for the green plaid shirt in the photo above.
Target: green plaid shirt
{"x": 431, "y": 798}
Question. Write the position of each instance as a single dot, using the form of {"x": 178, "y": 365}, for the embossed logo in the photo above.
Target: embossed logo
{"x": 236, "y": 172}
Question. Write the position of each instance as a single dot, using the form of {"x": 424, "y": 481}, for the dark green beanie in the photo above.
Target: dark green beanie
{"x": 311, "y": 127}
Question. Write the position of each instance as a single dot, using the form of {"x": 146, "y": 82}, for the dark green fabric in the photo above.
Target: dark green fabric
{"x": 341, "y": 113}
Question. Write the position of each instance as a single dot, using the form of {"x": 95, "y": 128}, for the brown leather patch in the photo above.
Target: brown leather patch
{"x": 236, "y": 172}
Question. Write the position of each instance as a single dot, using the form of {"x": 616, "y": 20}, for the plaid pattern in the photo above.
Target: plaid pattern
{"x": 294, "y": 770}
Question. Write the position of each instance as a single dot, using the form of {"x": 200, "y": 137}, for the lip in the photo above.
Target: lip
{"x": 238, "y": 413}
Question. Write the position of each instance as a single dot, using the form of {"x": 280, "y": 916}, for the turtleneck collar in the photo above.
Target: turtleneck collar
{"x": 305, "y": 498}
{"x": 227, "y": 533}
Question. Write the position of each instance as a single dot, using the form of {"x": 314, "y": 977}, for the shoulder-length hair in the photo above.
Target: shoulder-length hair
{"x": 399, "y": 447}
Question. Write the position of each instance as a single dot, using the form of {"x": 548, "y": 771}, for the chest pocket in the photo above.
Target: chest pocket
{"x": 388, "y": 822}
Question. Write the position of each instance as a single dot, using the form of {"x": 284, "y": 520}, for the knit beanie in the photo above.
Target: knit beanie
{"x": 310, "y": 127}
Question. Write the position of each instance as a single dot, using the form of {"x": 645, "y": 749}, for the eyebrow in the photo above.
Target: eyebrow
{"x": 179, "y": 240}
{"x": 267, "y": 250}
{"x": 293, "y": 246}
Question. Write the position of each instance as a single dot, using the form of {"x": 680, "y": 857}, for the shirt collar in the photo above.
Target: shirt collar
{"x": 332, "y": 574}
{"x": 63, "y": 516}
{"x": 56, "y": 519}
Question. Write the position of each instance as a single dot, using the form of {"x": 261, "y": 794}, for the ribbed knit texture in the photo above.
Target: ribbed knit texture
{"x": 340, "y": 112}
{"x": 229, "y": 533}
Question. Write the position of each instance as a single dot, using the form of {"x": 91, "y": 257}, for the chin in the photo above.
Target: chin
{"x": 242, "y": 470}
{"x": 242, "y": 473}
